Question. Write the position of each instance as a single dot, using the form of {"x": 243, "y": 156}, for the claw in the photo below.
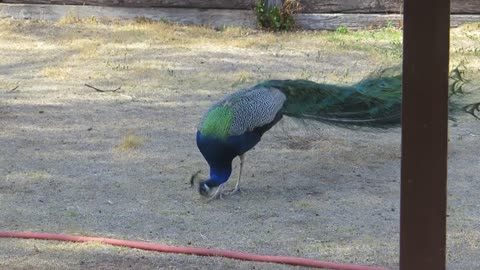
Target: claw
{"x": 237, "y": 189}
{"x": 218, "y": 194}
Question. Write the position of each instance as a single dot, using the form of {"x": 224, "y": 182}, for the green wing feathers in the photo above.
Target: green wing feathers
{"x": 217, "y": 122}
{"x": 242, "y": 111}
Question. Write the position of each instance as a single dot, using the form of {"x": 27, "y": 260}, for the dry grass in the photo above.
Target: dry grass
{"x": 115, "y": 46}
{"x": 292, "y": 7}
{"x": 130, "y": 142}
{"x": 241, "y": 77}
{"x": 117, "y": 164}
{"x": 71, "y": 18}
{"x": 384, "y": 45}
{"x": 57, "y": 73}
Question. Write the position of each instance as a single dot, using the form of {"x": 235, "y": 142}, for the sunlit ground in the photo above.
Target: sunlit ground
{"x": 116, "y": 163}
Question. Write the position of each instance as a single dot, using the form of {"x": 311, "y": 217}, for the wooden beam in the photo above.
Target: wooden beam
{"x": 310, "y": 6}
{"x": 375, "y": 6}
{"x": 424, "y": 135}
{"x": 217, "y": 18}
{"x": 211, "y": 17}
{"x": 210, "y": 4}
{"x": 352, "y": 6}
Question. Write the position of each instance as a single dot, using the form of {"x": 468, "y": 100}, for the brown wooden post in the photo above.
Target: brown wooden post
{"x": 424, "y": 135}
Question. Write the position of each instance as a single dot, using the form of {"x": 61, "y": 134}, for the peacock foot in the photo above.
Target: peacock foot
{"x": 235, "y": 190}
{"x": 218, "y": 194}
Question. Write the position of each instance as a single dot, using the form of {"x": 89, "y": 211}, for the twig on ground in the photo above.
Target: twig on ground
{"x": 13, "y": 89}
{"x": 102, "y": 90}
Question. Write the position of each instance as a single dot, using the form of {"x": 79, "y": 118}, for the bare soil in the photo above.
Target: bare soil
{"x": 116, "y": 164}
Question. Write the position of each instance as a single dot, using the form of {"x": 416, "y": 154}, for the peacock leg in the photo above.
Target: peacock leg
{"x": 218, "y": 193}
{"x": 237, "y": 185}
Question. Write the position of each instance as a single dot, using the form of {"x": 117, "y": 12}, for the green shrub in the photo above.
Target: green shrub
{"x": 342, "y": 30}
{"x": 275, "y": 18}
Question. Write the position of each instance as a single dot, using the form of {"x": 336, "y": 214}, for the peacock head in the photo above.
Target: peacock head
{"x": 218, "y": 175}
{"x": 203, "y": 187}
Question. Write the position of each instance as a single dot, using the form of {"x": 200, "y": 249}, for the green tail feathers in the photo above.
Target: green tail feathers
{"x": 374, "y": 101}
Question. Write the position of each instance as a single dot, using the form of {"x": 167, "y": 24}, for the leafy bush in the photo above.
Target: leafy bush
{"x": 342, "y": 30}
{"x": 275, "y": 18}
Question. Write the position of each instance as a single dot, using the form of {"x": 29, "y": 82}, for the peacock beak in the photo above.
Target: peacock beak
{"x": 203, "y": 189}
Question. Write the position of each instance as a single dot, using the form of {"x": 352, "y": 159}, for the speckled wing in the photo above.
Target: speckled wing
{"x": 247, "y": 109}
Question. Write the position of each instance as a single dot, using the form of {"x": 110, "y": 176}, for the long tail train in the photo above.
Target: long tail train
{"x": 375, "y": 101}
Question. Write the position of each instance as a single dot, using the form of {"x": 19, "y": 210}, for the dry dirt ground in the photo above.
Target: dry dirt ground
{"x": 116, "y": 164}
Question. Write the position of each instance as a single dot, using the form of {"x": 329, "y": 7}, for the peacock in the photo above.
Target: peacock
{"x": 236, "y": 123}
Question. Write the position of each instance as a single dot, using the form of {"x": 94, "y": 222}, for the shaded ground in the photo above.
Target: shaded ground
{"x": 77, "y": 161}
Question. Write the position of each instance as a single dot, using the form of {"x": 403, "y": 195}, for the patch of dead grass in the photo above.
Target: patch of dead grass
{"x": 71, "y": 18}
{"x": 130, "y": 142}
{"x": 241, "y": 77}
{"x": 59, "y": 73}
{"x": 87, "y": 49}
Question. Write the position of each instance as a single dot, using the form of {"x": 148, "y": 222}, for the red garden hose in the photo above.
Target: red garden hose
{"x": 188, "y": 250}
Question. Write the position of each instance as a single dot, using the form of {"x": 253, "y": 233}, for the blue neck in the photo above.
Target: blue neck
{"x": 219, "y": 174}
{"x": 219, "y": 155}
